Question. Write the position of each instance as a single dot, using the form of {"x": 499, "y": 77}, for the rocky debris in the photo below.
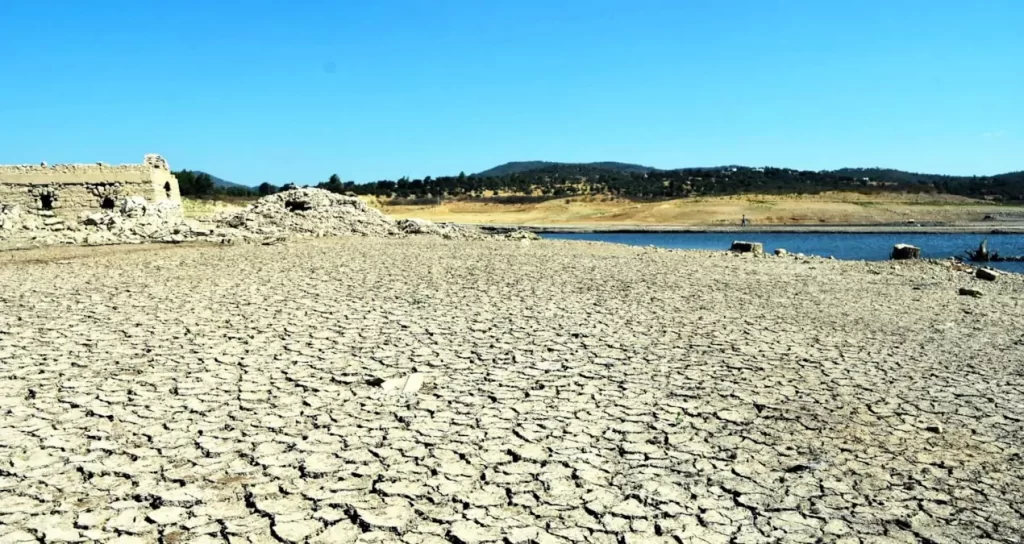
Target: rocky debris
{"x": 133, "y": 221}
{"x": 404, "y": 384}
{"x": 270, "y": 220}
{"x": 522, "y": 235}
{"x": 781, "y": 252}
{"x": 969, "y": 292}
{"x": 451, "y": 231}
{"x": 10, "y": 217}
{"x": 313, "y": 212}
{"x": 986, "y": 274}
{"x": 156, "y": 161}
{"x": 757, "y": 248}
{"x": 317, "y": 212}
{"x": 905, "y": 251}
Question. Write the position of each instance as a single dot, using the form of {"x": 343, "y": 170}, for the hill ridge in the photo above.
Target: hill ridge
{"x": 518, "y": 167}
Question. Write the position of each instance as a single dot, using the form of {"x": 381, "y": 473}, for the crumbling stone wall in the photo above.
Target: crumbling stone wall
{"x": 70, "y": 189}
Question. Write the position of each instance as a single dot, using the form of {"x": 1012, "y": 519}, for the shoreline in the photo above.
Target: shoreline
{"x": 1015, "y": 228}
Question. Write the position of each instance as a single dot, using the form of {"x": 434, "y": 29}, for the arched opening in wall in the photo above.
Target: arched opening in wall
{"x": 107, "y": 203}
{"x": 46, "y": 201}
{"x": 167, "y": 189}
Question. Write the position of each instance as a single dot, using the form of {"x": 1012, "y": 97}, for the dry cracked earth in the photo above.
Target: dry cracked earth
{"x": 570, "y": 392}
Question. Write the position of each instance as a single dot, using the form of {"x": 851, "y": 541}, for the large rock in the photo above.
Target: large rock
{"x": 986, "y": 274}
{"x": 968, "y": 292}
{"x": 133, "y": 206}
{"x": 757, "y": 248}
{"x": 905, "y": 251}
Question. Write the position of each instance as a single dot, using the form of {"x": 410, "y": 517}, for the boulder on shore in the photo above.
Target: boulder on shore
{"x": 905, "y": 251}
{"x": 757, "y": 248}
{"x": 781, "y": 252}
{"x": 986, "y": 274}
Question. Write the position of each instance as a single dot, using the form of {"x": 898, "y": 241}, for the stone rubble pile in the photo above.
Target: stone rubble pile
{"x": 451, "y": 231}
{"x": 313, "y": 212}
{"x": 134, "y": 220}
{"x": 298, "y": 212}
{"x": 316, "y": 212}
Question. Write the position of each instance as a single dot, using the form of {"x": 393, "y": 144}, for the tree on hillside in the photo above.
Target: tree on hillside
{"x": 333, "y": 184}
{"x": 266, "y": 189}
{"x": 195, "y": 184}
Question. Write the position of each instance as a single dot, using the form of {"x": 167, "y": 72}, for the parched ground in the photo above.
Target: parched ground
{"x": 572, "y": 393}
{"x": 837, "y": 208}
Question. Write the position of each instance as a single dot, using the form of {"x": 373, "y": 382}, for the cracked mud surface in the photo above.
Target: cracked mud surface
{"x": 572, "y": 393}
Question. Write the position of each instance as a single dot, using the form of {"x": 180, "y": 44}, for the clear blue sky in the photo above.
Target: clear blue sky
{"x": 294, "y": 91}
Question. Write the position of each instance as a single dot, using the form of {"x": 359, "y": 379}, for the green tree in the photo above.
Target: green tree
{"x": 333, "y": 184}
{"x": 194, "y": 184}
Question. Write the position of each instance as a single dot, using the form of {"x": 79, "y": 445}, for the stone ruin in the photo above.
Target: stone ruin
{"x": 68, "y": 190}
{"x": 316, "y": 212}
{"x": 294, "y": 213}
{"x": 52, "y": 204}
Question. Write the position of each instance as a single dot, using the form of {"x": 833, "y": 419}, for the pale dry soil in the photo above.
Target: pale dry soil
{"x": 823, "y": 209}
{"x": 573, "y": 393}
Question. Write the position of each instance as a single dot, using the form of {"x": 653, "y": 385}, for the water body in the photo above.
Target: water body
{"x": 849, "y": 246}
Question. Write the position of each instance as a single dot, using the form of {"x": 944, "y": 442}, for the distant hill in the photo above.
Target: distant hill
{"x": 219, "y": 182}
{"x": 520, "y": 167}
{"x": 537, "y": 180}
{"x": 890, "y": 175}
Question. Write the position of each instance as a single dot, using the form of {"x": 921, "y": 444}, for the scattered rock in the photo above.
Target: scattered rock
{"x": 986, "y": 274}
{"x": 450, "y": 231}
{"x": 905, "y": 251}
{"x": 524, "y": 235}
{"x": 781, "y": 252}
{"x": 406, "y": 384}
{"x": 967, "y": 291}
{"x": 757, "y": 248}
{"x": 133, "y": 206}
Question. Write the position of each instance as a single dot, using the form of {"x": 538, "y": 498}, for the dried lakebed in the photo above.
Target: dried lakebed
{"x": 571, "y": 392}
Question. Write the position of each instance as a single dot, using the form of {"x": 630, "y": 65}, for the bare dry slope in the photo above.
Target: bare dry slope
{"x": 829, "y": 208}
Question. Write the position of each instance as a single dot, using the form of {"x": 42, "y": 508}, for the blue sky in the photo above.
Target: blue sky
{"x": 294, "y": 91}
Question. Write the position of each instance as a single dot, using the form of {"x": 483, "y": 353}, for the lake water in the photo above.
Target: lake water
{"x": 850, "y": 246}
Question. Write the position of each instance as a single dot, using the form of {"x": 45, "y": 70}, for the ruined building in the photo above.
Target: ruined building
{"x": 70, "y": 189}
